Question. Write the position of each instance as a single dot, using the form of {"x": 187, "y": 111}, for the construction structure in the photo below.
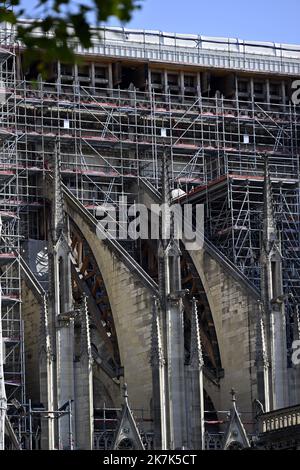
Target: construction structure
{"x": 144, "y": 118}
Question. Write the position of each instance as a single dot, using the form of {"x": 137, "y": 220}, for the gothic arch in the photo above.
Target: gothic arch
{"x": 87, "y": 277}
{"x": 234, "y": 309}
{"x": 192, "y": 282}
{"x": 131, "y": 308}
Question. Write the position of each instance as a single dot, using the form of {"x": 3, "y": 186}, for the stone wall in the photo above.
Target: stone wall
{"x": 31, "y": 310}
{"x": 130, "y": 303}
{"x": 234, "y": 309}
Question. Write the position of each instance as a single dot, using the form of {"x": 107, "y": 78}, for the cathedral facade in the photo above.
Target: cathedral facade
{"x": 125, "y": 342}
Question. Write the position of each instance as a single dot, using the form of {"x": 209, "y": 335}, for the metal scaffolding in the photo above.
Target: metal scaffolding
{"x": 110, "y": 139}
{"x": 12, "y": 341}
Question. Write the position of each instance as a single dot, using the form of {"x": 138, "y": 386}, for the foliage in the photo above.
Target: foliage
{"x": 63, "y": 23}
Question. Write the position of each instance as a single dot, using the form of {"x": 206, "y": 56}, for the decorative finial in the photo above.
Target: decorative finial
{"x": 233, "y": 395}
{"x": 156, "y": 356}
{"x": 196, "y": 357}
{"x": 125, "y": 392}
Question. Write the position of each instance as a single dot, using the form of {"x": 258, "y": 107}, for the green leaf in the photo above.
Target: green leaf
{"x": 7, "y": 15}
{"x": 82, "y": 29}
{"x": 55, "y": 38}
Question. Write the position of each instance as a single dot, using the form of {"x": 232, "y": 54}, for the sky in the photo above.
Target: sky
{"x": 258, "y": 20}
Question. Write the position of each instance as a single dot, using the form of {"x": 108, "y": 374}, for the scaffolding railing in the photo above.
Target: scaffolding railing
{"x": 212, "y": 52}
{"x": 10, "y": 279}
{"x": 110, "y": 139}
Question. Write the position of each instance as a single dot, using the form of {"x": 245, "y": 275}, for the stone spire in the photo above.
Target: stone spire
{"x": 169, "y": 250}
{"x": 165, "y": 228}
{"x": 269, "y": 224}
{"x": 194, "y": 386}
{"x": 270, "y": 245}
{"x": 272, "y": 298}
{"x": 157, "y": 356}
{"x": 196, "y": 357}
{"x": 46, "y": 370}
{"x": 158, "y": 365}
{"x": 235, "y": 437}
{"x": 261, "y": 348}
{"x": 127, "y": 435}
{"x": 59, "y": 224}
{"x": 178, "y": 395}
{"x": 165, "y": 180}
{"x": 83, "y": 383}
{"x": 45, "y": 337}
{"x": 171, "y": 389}
{"x": 262, "y": 361}
{"x": 85, "y": 343}
{"x": 61, "y": 310}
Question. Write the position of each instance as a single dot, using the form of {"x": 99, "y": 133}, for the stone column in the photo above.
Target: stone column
{"x": 158, "y": 364}
{"x": 194, "y": 387}
{"x": 46, "y": 381}
{"x": 84, "y": 409}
